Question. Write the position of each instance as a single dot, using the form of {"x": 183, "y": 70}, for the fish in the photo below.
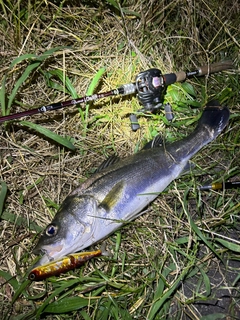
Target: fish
{"x": 62, "y": 265}
{"x": 120, "y": 191}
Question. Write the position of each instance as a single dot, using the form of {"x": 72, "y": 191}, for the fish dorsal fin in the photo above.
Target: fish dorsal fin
{"x": 113, "y": 196}
{"x": 106, "y": 163}
{"x": 154, "y": 143}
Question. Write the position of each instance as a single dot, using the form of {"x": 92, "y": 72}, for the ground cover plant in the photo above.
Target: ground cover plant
{"x": 180, "y": 259}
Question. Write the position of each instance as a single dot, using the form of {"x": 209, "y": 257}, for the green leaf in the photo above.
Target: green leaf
{"x": 195, "y": 228}
{"x": 173, "y": 93}
{"x": 49, "y": 52}
{"x": 49, "y": 134}
{"x": 229, "y": 245}
{"x": 84, "y": 315}
{"x": 35, "y": 57}
{"x": 20, "y": 290}
{"x": 95, "y": 81}
{"x": 187, "y": 87}
{"x": 159, "y": 301}
{"x": 3, "y": 193}
{"x": 224, "y": 95}
{"x": 19, "y": 221}
{"x": 131, "y": 13}
{"x": 36, "y": 61}
{"x": 90, "y": 91}
{"x": 10, "y": 279}
{"x": 113, "y": 3}
{"x": 22, "y": 58}
{"x": 182, "y": 240}
{"x": 54, "y": 294}
{"x": 3, "y": 97}
{"x": 64, "y": 79}
{"x": 67, "y": 304}
{"x": 206, "y": 282}
{"x": 20, "y": 81}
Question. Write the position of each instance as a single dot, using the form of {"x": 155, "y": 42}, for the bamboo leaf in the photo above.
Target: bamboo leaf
{"x": 90, "y": 91}
{"x": 35, "y": 57}
{"x": 36, "y": 61}
{"x": 20, "y": 290}
{"x": 49, "y": 52}
{"x": 113, "y": 3}
{"x": 84, "y": 315}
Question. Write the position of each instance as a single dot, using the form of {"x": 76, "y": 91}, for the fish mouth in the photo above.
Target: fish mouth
{"x": 50, "y": 253}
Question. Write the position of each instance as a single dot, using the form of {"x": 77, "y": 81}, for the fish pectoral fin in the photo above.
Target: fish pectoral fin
{"x": 113, "y": 196}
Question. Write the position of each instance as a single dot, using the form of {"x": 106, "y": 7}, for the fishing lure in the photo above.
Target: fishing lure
{"x": 62, "y": 265}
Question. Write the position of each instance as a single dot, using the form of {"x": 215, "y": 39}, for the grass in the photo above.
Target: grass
{"x": 180, "y": 259}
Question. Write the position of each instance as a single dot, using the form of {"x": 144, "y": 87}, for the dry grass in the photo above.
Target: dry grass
{"x": 170, "y": 35}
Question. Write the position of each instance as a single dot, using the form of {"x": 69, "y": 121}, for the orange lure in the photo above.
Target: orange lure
{"x": 62, "y": 265}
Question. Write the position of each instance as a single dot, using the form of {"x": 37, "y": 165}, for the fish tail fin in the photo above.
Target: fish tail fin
{"x": 214, "y": 118}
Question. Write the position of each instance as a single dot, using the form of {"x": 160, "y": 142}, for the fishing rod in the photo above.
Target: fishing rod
{"x": 150, "y": 87}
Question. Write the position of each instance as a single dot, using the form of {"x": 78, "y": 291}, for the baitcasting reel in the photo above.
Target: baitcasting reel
{"x": 151, "y": 86}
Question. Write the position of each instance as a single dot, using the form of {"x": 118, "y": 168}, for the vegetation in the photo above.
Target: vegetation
{"x": 180, "y": 259}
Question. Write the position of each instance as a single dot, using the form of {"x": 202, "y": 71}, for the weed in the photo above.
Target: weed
{"x": 180, "y": 259}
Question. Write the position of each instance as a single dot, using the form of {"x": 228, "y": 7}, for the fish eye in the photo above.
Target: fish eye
{"x": 51, "y": 230}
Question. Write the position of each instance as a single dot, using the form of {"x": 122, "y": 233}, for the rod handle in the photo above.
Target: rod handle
{"x": 215, "y": 67}
{"x": 171, "y": 78}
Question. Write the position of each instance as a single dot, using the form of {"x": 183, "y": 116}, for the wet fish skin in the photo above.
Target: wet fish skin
{"x": 120, "y": 191}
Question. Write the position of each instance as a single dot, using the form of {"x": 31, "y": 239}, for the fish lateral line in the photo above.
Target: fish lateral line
{"x": 62, "y": 265}
{"x": 110, "y": 219}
